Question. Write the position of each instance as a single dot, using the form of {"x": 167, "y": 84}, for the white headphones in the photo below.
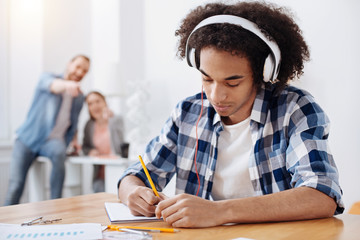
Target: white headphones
{"x": 272, "y": 61}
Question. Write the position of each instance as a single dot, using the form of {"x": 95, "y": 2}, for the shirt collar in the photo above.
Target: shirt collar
{"x": 217, "y": 118}
{"x": 260, "y": 107}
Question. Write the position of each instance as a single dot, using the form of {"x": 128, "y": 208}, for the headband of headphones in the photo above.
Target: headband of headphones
{"x": 272, "y": 62}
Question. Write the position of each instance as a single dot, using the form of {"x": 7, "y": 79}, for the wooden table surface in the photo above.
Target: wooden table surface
{"x": 90, "y": 209}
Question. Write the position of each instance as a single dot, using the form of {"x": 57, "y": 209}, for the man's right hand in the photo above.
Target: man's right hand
{"x": 140, "y": 199}
{"x": 59, "y": 86}
{"x": 72, "y": 88}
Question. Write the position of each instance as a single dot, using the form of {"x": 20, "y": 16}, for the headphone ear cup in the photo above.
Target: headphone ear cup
{"x": 191, "y": 58}
{"x": 268, "y": 69}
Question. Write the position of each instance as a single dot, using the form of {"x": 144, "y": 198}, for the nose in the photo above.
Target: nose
{"x": 218, "y": 93}
{"x": 80, "y": 73}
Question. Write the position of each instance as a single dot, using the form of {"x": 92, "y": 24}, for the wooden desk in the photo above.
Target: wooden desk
{"x": 90, "y": 209}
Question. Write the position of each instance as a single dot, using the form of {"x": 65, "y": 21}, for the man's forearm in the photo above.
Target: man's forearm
{"x": 294, "y": 204}
{"x": 57, "y": 86}
{"x": 60, "y": 86}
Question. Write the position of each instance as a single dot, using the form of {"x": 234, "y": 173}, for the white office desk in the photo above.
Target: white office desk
{"x": 78, "y": 175}
{"x": 114, "y": 168}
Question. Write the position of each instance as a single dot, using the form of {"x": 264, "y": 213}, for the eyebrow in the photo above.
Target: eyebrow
{"x": 234, "y": 77}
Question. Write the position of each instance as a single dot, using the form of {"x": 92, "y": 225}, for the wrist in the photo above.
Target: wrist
{"x": 223, "y": 208}
{"x": 229, "y": 211}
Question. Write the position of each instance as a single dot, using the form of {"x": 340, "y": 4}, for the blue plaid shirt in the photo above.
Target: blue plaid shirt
{"x": 289, "y": 131}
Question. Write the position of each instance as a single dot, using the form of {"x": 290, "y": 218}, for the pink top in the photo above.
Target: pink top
{"x": 101, "y": 139}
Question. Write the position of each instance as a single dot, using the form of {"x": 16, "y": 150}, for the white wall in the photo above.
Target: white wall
{"x": 170, "y": 78}
{"x": 4, "y": 99}
{"x": 147, "y": 48}
{"x": 66, "y": 33}
{"x": 25, "y": 57}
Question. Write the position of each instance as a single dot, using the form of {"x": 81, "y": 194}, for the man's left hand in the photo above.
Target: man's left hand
{"x": 186, "y": 210}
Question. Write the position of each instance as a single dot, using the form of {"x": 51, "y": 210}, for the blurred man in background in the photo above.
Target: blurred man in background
{"x": 49, "y": 128}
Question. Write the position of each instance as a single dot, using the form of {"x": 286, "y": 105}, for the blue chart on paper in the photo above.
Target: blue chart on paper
{"x": 41, "y": 235}
{"x": 54, "y": 232}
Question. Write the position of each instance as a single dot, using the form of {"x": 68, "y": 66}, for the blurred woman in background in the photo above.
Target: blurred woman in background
{"x": 103, "y": 135}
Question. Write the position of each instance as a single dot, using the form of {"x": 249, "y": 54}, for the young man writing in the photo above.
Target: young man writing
{"x": 251, "y": 142}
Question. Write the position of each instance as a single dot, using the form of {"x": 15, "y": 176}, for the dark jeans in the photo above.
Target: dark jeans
{"x": 23, "y": 157}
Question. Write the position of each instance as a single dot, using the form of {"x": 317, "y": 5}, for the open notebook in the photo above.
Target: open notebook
{"x": 120, "y": 213}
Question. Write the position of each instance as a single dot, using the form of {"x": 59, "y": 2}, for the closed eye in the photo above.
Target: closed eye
{"x": 233, "y": 83}
{"x": 205, "y": 79}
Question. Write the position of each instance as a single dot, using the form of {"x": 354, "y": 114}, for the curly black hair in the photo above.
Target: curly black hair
{"x": 276, "y": 23}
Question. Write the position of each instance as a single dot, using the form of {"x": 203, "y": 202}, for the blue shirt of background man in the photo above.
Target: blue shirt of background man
{"x": 43, "y": 113}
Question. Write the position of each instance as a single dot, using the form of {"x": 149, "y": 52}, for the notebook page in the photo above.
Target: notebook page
{"x": 120, "y": 213}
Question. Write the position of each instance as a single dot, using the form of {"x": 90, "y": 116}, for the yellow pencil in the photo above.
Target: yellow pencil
{"x": 150, "y": 229}
{"x": 148, "y": 176}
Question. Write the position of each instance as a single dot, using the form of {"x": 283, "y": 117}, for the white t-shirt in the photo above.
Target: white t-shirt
{"x": 232, "y": 179}
{"x": 63, "y": 118}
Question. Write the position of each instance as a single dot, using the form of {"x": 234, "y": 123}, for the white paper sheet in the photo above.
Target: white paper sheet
{"x": 120, "y": 213}
{"x": 79, "y": 231}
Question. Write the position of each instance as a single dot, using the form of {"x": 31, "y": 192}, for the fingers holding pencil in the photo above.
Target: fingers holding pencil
{"x": 161, "y": 196}
{"x": 142, "y": 201}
